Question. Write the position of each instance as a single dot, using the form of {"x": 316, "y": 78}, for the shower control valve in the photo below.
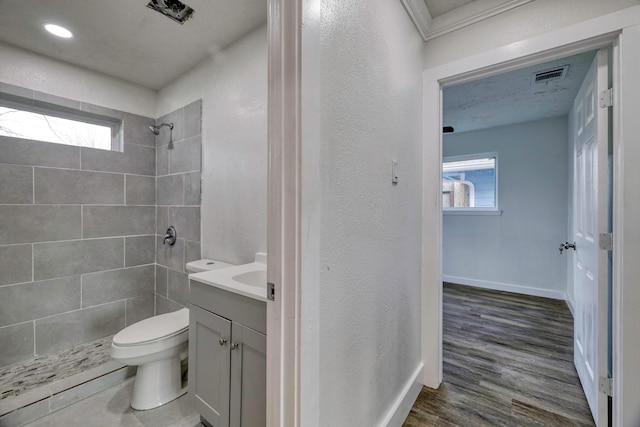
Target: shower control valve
{"x": 170, "y": 236}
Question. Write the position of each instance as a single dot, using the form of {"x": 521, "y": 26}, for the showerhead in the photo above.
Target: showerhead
{"x": 156, "y": 128}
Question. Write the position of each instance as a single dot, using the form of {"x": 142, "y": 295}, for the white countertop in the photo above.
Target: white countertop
{"x": 223, "y": 278}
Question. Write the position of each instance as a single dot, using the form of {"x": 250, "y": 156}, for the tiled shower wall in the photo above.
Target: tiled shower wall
{"x": 77, "y": 236}
{"x": 178, "y": 160}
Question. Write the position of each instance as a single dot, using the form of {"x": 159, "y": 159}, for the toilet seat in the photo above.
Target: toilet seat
{"x": 153, "y": 329}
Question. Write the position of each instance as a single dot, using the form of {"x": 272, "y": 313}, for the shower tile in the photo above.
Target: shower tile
{"x": 26, "y": 414}
{"x": 6, "y": 88}
{"x": 106, "y": 221}
{"x": 60, "y": 186}
{"x": 162, "y": 160}
{"x": 28, "y": 301}
{"x": 136, "y": 130}
{"x": 139, "y": 308}
{"x": 192, "y": 119}
{"x": 16, "y": 343}
{"x": 17, "y": 184}
{"x": 66, "y": 330}
{"x": 141, "y": 190}
{"x": 161, "y": 280}
{"x": 115, "y": 285}
{"x": 37, "y": 153}
{"x": 33, "y": 223}
{"x": 186, "y": 220}
{"x": 191, "y": 251}
{"x": 192, "y": 188}
{"x": 140, "y": 250}
{"x": 102, "y": 111}
{"x": 62, "y": 259}
{"x": 170, "y": 190}
{"x": 166, "y": 135}
{"x": 41, "y": 97}
{"x": 15, "y": 264}
{"x": 164, "y": 305}
{"x": 136, "y": 159}
{"x": 170, "y": 256}
{"x": 178, "y": 287}
{"x": 162, "y": 219}
{"x": 186, "y": 155}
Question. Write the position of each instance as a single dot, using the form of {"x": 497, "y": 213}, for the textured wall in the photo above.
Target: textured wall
{"x": 233, "y": 88}
{"x": 178, "y": 197}
{"x": 518, "y": 250}
{"x": 363, "y": 95}
{"x": 76, "y": 237}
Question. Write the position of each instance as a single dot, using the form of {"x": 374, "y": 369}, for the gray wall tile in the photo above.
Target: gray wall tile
{"x": 16, "y": 343}
{"x": 37, "y": 223}
{"x": 102, "y": 111}
{"x": 136, "y": 159}
{"x": 178, "y": 287}
{"x": 140, "y": 250}
{"x": 136, "y": 130}
{"x": 166, "y": 135}
{"x": 60, "y": 186}
{"x": 170, "y": 190}
{"x": 162, "y": 160}
{"x": 115, "y": 285}
{"x": 186, "y": 220}
{"x": 15, "y": 264}
{"x": 191, "y": 251}
{"x": 161, "y": 280}
{"x": 170, "y": 256}
{"x": 192, "y": 188}
{"x": 6, "y": 88}
{"x": 56, "y": 100}
{"x": 68, "y": 329}
{"x": 140, "y": 308}
{"x": 16, "y": 184}
{"x": 185, "y": 155}
{"x": 77, "y": 257}
{"x": 164, "y": 305}
{"x": 104, "y": 221}
{"x": 28, "y": 301}
{"x": 192, "y": 119}
{"x": 141, "y": 190}
{"x": 162, "y": 219}
{"x": 37, "y": 153}
{"x": 26, "y": 414}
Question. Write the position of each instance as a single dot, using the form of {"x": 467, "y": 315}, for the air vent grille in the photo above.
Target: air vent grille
{"x": 546, "y": 76}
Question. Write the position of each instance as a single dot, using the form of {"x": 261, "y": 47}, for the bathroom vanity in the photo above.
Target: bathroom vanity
{"x": 227, "y": 346}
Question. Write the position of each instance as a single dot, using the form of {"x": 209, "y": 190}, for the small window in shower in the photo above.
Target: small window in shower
{"x": 59, "y": 126}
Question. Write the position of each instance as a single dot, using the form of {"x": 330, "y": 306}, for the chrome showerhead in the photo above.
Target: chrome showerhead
{"x": 156, "y": 128}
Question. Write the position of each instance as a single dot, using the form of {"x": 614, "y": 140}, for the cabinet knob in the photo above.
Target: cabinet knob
{"x": 222, "y": 341}
{"x": 234, "y": 346}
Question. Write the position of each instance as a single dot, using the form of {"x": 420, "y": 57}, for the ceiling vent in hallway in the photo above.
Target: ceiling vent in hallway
{"x": 172, "y": 9}
{"x": 546, "y": 76}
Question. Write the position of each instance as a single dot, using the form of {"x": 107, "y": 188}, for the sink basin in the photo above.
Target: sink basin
{"x": 252, "y": 278}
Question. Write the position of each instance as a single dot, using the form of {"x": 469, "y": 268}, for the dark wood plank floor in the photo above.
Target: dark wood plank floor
{"x": 508, "y": 361}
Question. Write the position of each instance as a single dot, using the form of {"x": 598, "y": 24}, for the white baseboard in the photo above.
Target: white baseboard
{"x": 399, "y": 411}
{"x": 570, "y": 305}
{"x": 527, "y": 290}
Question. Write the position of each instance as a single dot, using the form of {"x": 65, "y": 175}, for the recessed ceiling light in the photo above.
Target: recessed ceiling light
{"x": 59, "y": 31}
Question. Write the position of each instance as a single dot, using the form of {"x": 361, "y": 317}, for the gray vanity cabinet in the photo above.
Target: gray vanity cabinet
{"x": 227, "y": 357}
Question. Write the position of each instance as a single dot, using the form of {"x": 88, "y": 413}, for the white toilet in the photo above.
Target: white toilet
{"x": 157, "y": 345}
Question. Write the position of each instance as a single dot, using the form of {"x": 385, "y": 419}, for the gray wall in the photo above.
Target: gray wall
{"x": 517, "y": 251}
{"x": 179, "y": 154}
{"x": 76, "y": 237}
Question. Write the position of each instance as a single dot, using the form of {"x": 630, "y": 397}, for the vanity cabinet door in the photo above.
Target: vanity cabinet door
{"x": 209, "y": 365}
{"x": 248, "y": 377}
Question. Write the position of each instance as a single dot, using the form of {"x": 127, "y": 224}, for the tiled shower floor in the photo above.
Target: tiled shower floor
{"x": 27, "y": 375}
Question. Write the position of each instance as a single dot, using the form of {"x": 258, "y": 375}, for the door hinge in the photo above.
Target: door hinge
{"x": 606, "y": 98}
{"x": 605, "y": 385}
{"x": 605, "y": 241}
{"x": 271, "y": 291}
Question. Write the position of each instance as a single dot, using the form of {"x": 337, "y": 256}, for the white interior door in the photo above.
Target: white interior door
{"x": 590, "y": 219}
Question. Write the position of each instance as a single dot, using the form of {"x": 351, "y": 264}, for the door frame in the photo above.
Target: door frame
{"x": 607, "y": 30}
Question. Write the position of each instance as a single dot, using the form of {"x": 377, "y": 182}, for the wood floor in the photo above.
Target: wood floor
{"x": 508, "y": 361}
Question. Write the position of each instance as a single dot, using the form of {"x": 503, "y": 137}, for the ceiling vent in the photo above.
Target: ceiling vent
{"x": 546, "y": 76}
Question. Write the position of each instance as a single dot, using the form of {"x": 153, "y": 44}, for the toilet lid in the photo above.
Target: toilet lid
{"x": 153, "y": 329}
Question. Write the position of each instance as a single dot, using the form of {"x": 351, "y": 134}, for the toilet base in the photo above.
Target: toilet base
{"x": 157, "y": 383}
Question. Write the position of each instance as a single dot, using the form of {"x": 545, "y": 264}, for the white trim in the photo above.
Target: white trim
{"x": 570, "y": 305}
{"x": 507, "y": 287}
{"x": 419, "y": 14}
{"x": 472, "y": 211}
{"x": 283, "y": 211}
{"x": 587, "y": 35}
{"x": 401, "y": 407}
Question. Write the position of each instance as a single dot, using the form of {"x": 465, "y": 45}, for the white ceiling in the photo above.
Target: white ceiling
{"x": 125, "y": 39}
{"x": 440, "y": 7}
{"x": 510, "y": 98}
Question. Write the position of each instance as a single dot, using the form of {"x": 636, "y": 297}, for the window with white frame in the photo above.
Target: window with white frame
{"x": 469, "y": 183}
{"x": 58, "y": 125}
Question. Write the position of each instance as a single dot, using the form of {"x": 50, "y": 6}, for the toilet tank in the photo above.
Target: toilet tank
{"x": 205, "y": 265}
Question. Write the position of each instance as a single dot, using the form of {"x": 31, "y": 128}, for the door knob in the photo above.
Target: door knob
{"x": 222, "y": 341}
{"x": 234, "y": 346}
{"x": 567, "y": 245}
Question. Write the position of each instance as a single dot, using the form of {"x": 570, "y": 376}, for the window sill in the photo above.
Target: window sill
{"x": 472, "y": 212}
